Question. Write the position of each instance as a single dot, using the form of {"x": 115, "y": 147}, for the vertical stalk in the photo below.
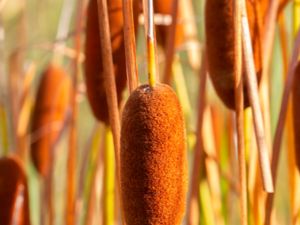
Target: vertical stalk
{"x": 110, "y": 85}
{"x": 239, "y": 107}
{"x": 149, "y": 27}
{"x": 193, "y": 204}
{"x": 130, "y": 46}
{"x": 280, "y": 123}
{"x": 72, "y": 151}
{"x": 170, "y": 49}
{"x": 252, "y": 88}
{"x": 108, "y": 188}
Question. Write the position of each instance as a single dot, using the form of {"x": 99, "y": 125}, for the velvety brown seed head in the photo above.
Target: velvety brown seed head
{"x": 165, "y": 7}
{"x": 296, "y": 113}
{"x": 93, "y": 60}
{"x": 220, "y": 45}
{"x": 153, "y": 157}
{"x": 52, "y": 102}
{"x": 14, "y": 206}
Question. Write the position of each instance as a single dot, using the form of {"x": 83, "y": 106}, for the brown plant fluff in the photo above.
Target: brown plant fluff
{"x": 93, "y": 67}
{"x": 165, "y": 7}
{"x": 52, "y": 103}
{"x": 296, "y": 113}
{"x": 13, "y": 188}
{"x": 153, "y": 157}
{"x": 220, "y": 45}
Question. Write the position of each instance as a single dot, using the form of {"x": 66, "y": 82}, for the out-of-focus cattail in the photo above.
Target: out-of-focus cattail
{"x": 165, "y": 8}
{"x": 153, "y": 157}
{"x": 296, "y": 113}
{"x": 52, "y": 102}
{"x": 220, "y": 45}
{"x": 14, "y": 205}
{"x": 93, "y": 67}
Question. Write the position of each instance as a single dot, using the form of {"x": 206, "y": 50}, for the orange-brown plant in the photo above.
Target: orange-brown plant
{"x": 220, "y": 45}
{"x": 296, "y": 113}
{"x": 93, "y": 63}
{"x": 14, "y": 205}
{"x": 165, "y": 8}
{"x": 153, "y": 157}
{"x": 52, "y": 103}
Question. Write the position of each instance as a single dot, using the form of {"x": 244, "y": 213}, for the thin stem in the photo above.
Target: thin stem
{"x": 130, "y": 47}
{"x": 72, "y": 151}
{"x": 239, "y": 107}
{"x": 254, "y": 102}
{"x": 280, "y": 123}
{"x": 193, "y": 204}
{"x": 109, "y": 80}
{"x": 170, "y": 49}
{"x": 149, "y": 27}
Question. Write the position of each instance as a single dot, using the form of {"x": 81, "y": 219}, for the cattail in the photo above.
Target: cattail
{"x": 14, "y": 206}
{"x": 296, "y": 113}
{"x": 165, "y": 8}
{"x": 220, "y": 45}
{"x": 153, "y": 157}
{"x": 93, "y": 67}
{"x": 52, "y": 102}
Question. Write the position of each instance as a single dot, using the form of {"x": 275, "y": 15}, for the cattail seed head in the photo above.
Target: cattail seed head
{"x": 153, "y": 157}
{"x": 14, "y": 206}
{"x": 94, "y": 76}
{"x": 220, "y": 45}
{"x": 52, "y": 102}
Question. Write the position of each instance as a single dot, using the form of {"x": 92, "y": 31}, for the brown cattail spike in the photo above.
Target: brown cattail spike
{"x": 220, "y": 45}
{"x": 93, "y": 67}
{"x": 296, "y": 113}
{"x": 52, "y": 102}
{"x": 153, "y": 157}
{"x": 14, "y": 206}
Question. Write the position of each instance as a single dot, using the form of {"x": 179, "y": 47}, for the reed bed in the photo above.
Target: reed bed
{"x": 148, "y": 112}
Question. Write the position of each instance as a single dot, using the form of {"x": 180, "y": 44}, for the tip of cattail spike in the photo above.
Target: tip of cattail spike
{"x": 153, "y": 157}
{"x": 51, "y": 106}
{"x": 14, "y": 206}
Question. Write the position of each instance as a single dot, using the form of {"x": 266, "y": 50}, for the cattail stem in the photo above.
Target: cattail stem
{"x": 130, "y": 46}
{"x": 280, "y": 123}
{"x": 149, "y": 27}
{"x": 193, "y": 204}
{"x": 254, "y": 102}
{"x": 109, "y": 80}
{"x": 170, "y": 49}
{"x": 239, "y": 107}
{"x": 72, "y": 151}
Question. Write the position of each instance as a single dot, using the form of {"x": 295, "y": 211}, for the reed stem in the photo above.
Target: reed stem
{"x": 280, "y": 123}
{"x": 239, "y": 107}
{"x": 254, "y": 102}
{"x": 149, "y": 27}
{"x": 170, "y": 49}
{"x": 130, "y": 46}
